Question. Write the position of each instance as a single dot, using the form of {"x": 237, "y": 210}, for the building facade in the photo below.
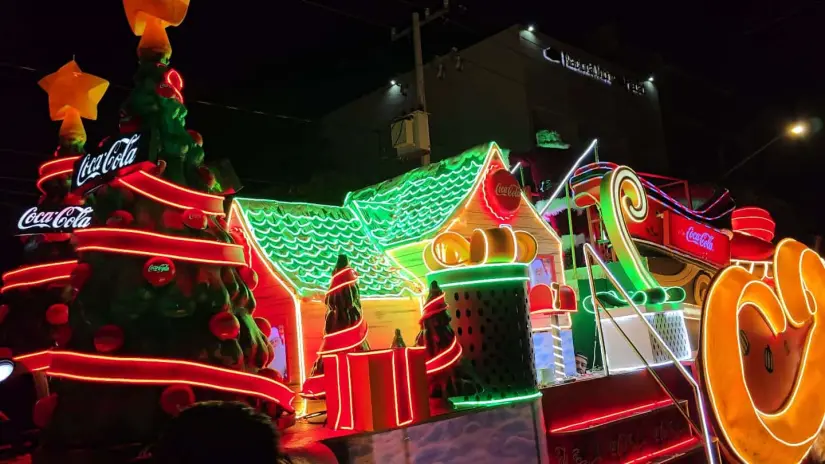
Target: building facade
{"x": 507, "y": 88}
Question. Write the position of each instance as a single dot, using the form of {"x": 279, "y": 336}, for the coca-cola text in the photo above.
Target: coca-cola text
{"x": 63, "y": 220}
{"x": 703, "y": 239}
{"x": 121, "y": 153}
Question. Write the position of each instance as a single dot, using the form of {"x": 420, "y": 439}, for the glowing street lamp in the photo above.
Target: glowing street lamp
{"x": 799, "y": 129}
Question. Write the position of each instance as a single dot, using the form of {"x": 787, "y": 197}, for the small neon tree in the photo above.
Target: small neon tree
{"x": 447, "y": 375}
{"x": 345, "y": 329}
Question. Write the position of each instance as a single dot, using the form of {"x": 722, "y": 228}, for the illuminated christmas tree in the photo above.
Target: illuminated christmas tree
{"x": 163, "y": 290}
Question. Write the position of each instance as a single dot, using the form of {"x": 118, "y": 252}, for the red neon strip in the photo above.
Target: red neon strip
{"x": 344, "y": 343}
{"x": 59, "y": 164}
{"x": 583, "y": 424}
{"x": 439, "y": 299}
{"x": 50, "y": 176}
{"x": 156, "y": 371}
{"x": 39, "y": 274}
{"x": 409, "y": 386}
{"x": 172, "y": 194}
{"x": 647, "y": 457}
{"x": 145, "y": 243}
{"x": 341, "y": 285}
{"x": 452, "y": 354}
{"x": 552, "y": 311}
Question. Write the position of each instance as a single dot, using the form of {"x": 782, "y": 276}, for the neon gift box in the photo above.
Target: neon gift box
{"x": 376, "y": 390}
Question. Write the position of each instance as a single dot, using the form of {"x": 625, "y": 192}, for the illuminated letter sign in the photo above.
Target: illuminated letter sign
{"x": 590, "y": 70}
{"x": 696, "y": 239}
{"x": 502, "y": 194}
{"x": 56, "y": 220}
{"x": 114, "y": 154}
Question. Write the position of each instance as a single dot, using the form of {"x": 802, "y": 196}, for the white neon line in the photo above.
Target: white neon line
{"x": 567, "y": 176}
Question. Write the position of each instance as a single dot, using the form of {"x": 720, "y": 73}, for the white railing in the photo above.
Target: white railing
{"x": 590, "y": 254}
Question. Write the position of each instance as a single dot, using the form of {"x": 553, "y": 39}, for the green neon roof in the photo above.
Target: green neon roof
{"x": 415, "y": 205}
{"x": 303, "y": 242}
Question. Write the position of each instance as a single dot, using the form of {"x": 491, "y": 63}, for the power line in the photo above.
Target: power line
{"x": 346, "y": 14}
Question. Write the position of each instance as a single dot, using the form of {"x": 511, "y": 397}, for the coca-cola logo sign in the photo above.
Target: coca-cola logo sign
{"x": 158, "y": 268}
{"x": 56, "y": 220}
{"x": 703, "y": 239}
{"x": 113, "y": 155}
{"x": 502, "y": 193}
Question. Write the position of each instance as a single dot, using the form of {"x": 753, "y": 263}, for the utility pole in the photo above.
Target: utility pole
{"x": 415, "y": 30}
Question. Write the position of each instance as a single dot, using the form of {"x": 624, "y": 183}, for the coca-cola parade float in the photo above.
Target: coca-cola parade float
{"x": 439, "y": 316}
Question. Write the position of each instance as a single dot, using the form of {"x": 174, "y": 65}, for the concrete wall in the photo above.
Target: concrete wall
{"x": 505, "y": 92}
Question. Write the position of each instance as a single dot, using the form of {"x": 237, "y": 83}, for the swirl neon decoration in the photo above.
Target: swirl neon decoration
{"x": 55, "y": 168}
{"x": 170, "y": 194}
{"x": 445, "y": 359}
{"x": 486, "y": 246}
{"x": 95, "y": 368}
{"x": 784, "y": 433}
{"x": 145, "y": 243}
{"x": 623, "y": 196}
{"x": 40, "y": 274}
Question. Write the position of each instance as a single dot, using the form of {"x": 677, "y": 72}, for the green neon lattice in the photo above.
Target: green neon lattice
{"x": 414, "y": 205}
{"x": 303, "y": 242}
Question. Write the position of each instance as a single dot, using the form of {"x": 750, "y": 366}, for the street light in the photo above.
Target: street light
{"x": 796, "y": 130}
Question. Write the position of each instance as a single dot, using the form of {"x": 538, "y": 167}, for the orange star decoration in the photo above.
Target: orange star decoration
{"x": 73, "y": 94}
{"x": 150, "y": 18}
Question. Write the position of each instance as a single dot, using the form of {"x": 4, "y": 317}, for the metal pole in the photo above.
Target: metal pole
{"x": 748, "y": 158}
{"x": 572, "y": 236}
{"x": 419, "y": 75}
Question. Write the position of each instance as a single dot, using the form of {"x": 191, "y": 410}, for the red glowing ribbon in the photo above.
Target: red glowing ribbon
{"x": 55, "y": 168}
{"x": 145, "y": 243}
{"x": 39, "y": 274}
{"x": 445, "y": 359}
{"x": 155, "y": 371}
{"x": 345, "y": 339}
{"x": 171, "y": 194}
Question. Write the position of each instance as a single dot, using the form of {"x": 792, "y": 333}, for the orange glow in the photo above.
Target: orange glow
{"x": 778, "y": 435}
{"x": 155, "y": 371}
{"x": 145, "y": 243}
{"x": 171, "y": 194}
{"x": 39, "y": 274}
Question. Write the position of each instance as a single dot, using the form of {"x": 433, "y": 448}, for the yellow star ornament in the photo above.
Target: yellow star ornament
{"x": 73, "y": 94}
{"x": 150, "y": 18}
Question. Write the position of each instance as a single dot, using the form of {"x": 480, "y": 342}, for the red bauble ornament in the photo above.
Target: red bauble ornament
{"x": 194, "y": 219}
{"x": 61, "y": 335}
{"x": 57, "y": 314}
{"x": 264, "y": 326}
{"x": 72, "y": 199}
{"x": 171, "y": 85}
{"x": 4, "y": 311}
{"x": 249, "y": 276}
{"x": 175, "y": 398}
{"x": 120, "y": 218}
{"x": 80, "y": 274}
{"x": 57, "y": 237}
{"x": 108, "y": 338}
{"x": 161, "y": 167}
{"x": 225, "y": 326}
{"x": 44, "y": 409}
{"x": 207, "y": 176}
{"x": 159, "y": 271}
{"x": 196, "y": 137}
{"x": 271, "y": 374}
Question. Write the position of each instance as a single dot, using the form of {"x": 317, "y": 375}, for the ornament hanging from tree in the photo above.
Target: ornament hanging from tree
{"x": 159, "y": 271}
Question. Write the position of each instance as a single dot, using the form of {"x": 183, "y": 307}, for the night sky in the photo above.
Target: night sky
{"x": 732, "y": 76}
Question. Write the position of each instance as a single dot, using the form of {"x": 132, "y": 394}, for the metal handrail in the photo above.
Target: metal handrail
{"x": 590, "y": 253}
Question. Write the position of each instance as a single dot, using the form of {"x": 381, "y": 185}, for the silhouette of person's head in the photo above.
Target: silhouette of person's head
{"x": 219, "y": 432}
